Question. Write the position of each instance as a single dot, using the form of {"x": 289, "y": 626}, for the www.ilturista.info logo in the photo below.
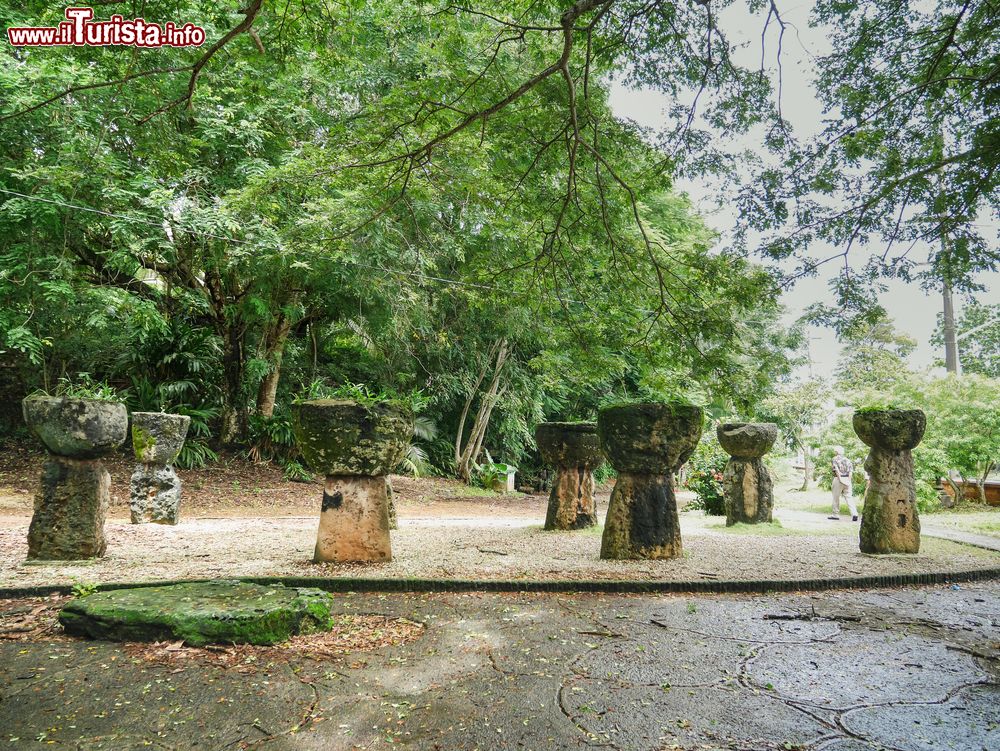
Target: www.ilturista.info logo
{"x": 79, "y": 31}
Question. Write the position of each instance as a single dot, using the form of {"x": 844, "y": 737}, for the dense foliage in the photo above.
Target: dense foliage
{"x": 215, "y": 245}
{"x": 978, "y": 330}
{"x": 704, "y": 476}
{"x": 961, "y": 445}
{"x": 423, "y": 198}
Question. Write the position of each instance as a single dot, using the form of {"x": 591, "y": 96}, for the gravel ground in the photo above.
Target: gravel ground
{"x": 473, "y": 549}
{"x": 241, "y": 519}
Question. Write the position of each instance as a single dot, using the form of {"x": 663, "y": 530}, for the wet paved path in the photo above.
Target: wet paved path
{"x": 892, "y": 669}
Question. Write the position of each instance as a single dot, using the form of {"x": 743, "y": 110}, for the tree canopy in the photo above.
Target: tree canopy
{"x": 215, "y": 234}
{"x": 438, "y": 198}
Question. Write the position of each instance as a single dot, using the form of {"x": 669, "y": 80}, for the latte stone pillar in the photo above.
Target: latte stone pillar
{"x": 72, "y": 500}
{"x": 646, "y": 443}
{"x": 390, "y": 495}
{"x": 355, "y": 445}
{"x": 889, "y": 522}
{"x": 746, "y": 483}
{"x": 157, "y": 439}
{"x": 574, "y": 449}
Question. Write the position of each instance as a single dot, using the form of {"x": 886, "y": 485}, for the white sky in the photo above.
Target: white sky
{"x": 912, "y": 310}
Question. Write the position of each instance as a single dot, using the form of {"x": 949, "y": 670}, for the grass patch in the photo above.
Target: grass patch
{"x": 473, "y": 491}
{"x": 937, "y": 548}
{"x": 827, "y": 508}
{"x": 966, "y": 506}
{"x": 766, "y": 529}
{"x": 595, "y": 531}
{"x": 990, "y": 527}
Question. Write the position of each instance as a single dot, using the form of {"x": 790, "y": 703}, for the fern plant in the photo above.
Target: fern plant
{"x": 84, "y": 387}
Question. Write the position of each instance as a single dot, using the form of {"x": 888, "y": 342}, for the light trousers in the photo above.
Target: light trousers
{"x": 843, "y": 488}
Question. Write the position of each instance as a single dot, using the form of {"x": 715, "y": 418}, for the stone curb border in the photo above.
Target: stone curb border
{"x": 760, "y": 586}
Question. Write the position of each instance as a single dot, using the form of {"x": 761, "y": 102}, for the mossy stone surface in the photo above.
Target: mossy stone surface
{"x": 571, "y": 501}
{"x": 892, "y": 429}
{"x": 891, "y": 521}
{"x": 343, "y": 437}
{"x": 569, "y": 444}
{"x": 155, "y": 494}
{"x": 218, "y": 612}
{"x": 747, "y": 440}
{"x": 76, "y": 428}
{"x": 748, "y": 492}
{"x": 642, "y": 519}
{"x": 652, "y": 438}
{"x": 70, "y": 507}
{"x": 158, "y": 437}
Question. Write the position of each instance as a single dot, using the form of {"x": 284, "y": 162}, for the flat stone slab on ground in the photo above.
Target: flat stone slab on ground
{"x": 226, "y": 612}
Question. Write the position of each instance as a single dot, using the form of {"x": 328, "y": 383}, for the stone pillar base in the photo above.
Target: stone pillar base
{"x": 890, "y": 523}
{"x": 155, "y": 494}
{"x": 748, "y": 492}
{"x": 70, "y": 508}
{"x": 391, "y": 498}
{"x": 642, "y": 519}
{"x": 354, "y": 521}
{"x": 571, "y": 501}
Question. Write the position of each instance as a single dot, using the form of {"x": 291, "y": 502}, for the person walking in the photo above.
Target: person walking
{"x": 843, "y": 470}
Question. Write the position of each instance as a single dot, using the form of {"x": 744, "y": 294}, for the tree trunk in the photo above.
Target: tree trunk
{"x": 466, "y": 457}
{"x": 982, "y": 481}
{"x": 807, "y": 470}
{"x": 273, "y": 350}
{"x": 460, "y": 432}
{"x": 233, "y": 422}
{"x": 951, "y": 357}
{"x": 957, "y": 490}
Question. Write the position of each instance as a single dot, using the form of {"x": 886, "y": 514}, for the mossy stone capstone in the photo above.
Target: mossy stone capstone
{"x": 747, "y": 440}
{"x": 653, "y": 438}
{"x": 158, "y": 437}
{"x": 76, "y": 428}
{"x": 344, "y": 437}
{"x": 217, "y": 612}
{"x": 892, "y": 429}
{"x": 569, "y": 444}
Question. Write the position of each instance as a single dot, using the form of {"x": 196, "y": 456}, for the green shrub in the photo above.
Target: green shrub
{"x": 704, "y": 476}
{"x": 272, "y": 438}
{"x": 84, "y": 387}
{"x": 196, "y": 452}
{"x": 296, "y": 472}
{"x": 488, "y": 475}
{"x": 604, "y": 473}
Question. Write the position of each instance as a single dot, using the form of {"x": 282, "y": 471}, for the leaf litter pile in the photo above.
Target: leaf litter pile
{"x": 36, "y": 619}
{"x": 32, "y": 619}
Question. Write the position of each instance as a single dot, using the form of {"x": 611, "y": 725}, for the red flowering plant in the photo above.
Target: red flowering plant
{"x": 704, "y": 476}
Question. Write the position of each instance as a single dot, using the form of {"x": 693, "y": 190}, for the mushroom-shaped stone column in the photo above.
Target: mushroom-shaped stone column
{"x": 890, "y": 523}
{"x": 157, "y": 439}
{"x": 390, "y": 496}
{"x": 72, "y": 500}
{"x": 646, "y": 443}
{"x": 575, "y": 451}
{"x": 355, "y": 445}
{"x": 746, "y": 483}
